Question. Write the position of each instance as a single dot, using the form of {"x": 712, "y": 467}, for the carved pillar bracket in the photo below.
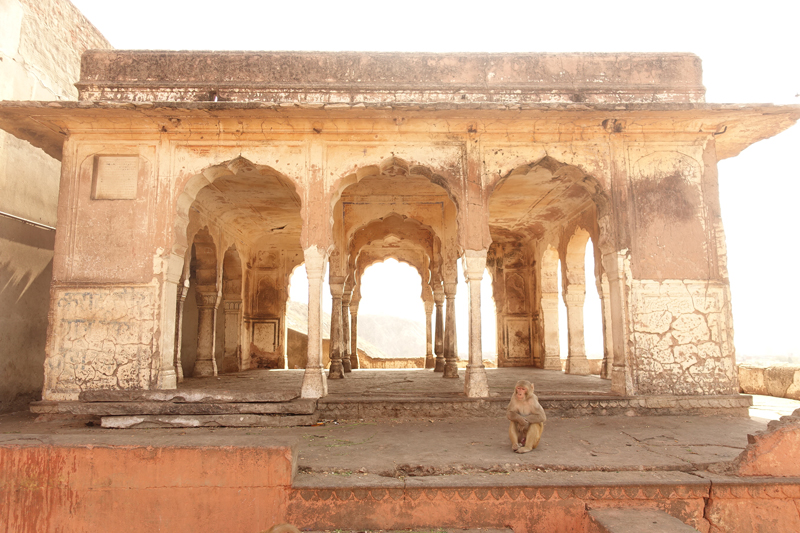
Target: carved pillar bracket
{"x": 183, "y": 291}
{"x": 450, "y": 354}
{"x": 336, "y": 370}
{"x": 430, "y": 361}
{"x": 475, "y": 383}
{"x": 347, "y": 364}
{"x": 354, "y": 334}
{"x": 438, "y": 347}
{"x": 315, "y": 384}
{"x": 576, "y": 359}
{"x": 206, "y": 363}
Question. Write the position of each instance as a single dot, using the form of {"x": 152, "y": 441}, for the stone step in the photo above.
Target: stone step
{"x": 182, "y": 395}
{"x": 635, "y": 521}
{"x": 298, "y": 406}
{"x": 195, "y": 421}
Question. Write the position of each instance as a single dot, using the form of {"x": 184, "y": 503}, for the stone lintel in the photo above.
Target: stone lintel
{"x": 47, "y": 124}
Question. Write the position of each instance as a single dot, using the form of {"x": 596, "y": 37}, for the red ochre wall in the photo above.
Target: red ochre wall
{"x": 248, "y": 489}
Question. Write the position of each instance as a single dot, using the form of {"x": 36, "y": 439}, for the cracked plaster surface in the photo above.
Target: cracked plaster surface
{"x": 680, "y": 340}
{"x": 102, "y": 339}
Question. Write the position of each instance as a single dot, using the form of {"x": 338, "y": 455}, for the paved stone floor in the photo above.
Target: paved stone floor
{"x": 391, "y": 448}
{"x": 394, "y": 383}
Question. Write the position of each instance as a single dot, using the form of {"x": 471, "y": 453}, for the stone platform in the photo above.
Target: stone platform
{"x": 60, "y": 474}
{"x": 270, "y": 398}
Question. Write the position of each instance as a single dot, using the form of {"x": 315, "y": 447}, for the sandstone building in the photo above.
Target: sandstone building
{"x": 222, "y": 172}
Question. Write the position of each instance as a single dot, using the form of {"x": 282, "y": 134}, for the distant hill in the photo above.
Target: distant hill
{"x": 396, "y": 337}
{"x": 380, "y": 336}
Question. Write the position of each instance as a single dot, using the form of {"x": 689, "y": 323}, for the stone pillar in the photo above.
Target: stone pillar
{"x": 346, "y": 362}
{"x": 475, "y": 383}
{"x": 430, "y": 361}
{"x": 574, "y": 297}
{"x": 232, "y": 342}
{"x": 183, "y": 290}
{"x": 438, "y": 347}
{"x": 206, "y": 364}
{"x": 608, "y": 339}
{"x": 552, "y": 355}
{"x": 336, "y": 369}
{"x": 354, "y": 334}
{"x": 315, "y": 384}
{"x": 450, "y": 354}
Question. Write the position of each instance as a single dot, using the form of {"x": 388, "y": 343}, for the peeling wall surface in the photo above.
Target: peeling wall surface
{"x": 40, "y": 47}
{"x": 212, "y": 176}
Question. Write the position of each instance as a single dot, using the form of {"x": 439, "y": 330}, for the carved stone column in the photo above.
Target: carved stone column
{"x": 475, "y": 383}
{"x": 430, "y": 361}
{"x": 576, "y": 358}
{"x": 206, "y": 364}
{"x": 336, "y": 370}
{"x": 183, "y": 290}
{"x": 232, "y": 343}
{"x": 450, "y": 354}
{"x": 315, "y": 384}
{"x": 608, "y": 339}
{"x": 346, "y": 363}
{"x": 354, "y": 333}
{"x": 552, "y": 355}
{"x": 438, "y": 347}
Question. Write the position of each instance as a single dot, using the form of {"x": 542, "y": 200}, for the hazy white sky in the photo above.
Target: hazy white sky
{"x": 750, "y": 53}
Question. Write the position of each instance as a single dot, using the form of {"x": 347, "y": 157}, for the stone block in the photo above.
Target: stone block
{"x": 635, "y": 521}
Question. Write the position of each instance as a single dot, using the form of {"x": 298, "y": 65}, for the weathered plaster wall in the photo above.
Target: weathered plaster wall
{"x": 40, "y": 47}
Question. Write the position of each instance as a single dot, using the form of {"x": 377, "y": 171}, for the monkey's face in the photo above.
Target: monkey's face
{"x": 521, "y": 392}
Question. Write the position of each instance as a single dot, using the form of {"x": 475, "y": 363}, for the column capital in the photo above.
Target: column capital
{"x": 316, "y": 259}
{"x": 232, "y": 305}
{"x": 206, "y": 299}
{"x": 474, "y": 263}
{"x": 450, "y": 288}
{"x": 336, "y": 284}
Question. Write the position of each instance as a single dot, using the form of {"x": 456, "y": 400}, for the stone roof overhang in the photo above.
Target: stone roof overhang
{"x": 46, "y": 125}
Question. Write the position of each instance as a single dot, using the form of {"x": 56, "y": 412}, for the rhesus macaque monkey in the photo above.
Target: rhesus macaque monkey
{"x": 526, "y": 418}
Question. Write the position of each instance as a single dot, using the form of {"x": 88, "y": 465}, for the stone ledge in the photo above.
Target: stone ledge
{"x": 195, "y": 421}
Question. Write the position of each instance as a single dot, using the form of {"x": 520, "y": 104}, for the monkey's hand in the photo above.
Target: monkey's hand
{"x": 535, "y": 418}
{"x": 516, "y": 417}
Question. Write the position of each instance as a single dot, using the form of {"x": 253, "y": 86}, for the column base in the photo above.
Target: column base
{"x": 314, "y": 384}
{"x": 347, "y": 366}
{"x": 168, "y": 379}
{"x": 578, "y": 366}
{"x": 552, "y": 362}
{"x": 618, "y": 384}
{"x": 430, "y": 361}
{"x": 439, "y": 364}
{"x": 204, "y": 368}
{"x": 354, "y": 362}
{"x": 475, "y": 383}
{"x": 336, "y": 370}
{"x": 450, "y": 370}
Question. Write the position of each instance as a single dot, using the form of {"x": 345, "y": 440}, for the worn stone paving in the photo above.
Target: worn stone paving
{"x": 374, "y": 383}
{"x": 396, "y": 448}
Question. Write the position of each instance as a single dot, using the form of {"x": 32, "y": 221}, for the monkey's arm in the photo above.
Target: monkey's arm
{"x": 515, "y": 416}
{"x": 537, "y": 416}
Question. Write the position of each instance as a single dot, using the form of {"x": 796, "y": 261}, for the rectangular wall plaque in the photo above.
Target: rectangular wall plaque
{"x": 115, "y": 177}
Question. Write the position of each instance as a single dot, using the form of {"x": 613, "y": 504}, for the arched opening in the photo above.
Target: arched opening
{"x": 254, "y": 214}
{"x": 540, "y": 217}
{"x": 200, "y": 309}
{"x": 401, "y": 211}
